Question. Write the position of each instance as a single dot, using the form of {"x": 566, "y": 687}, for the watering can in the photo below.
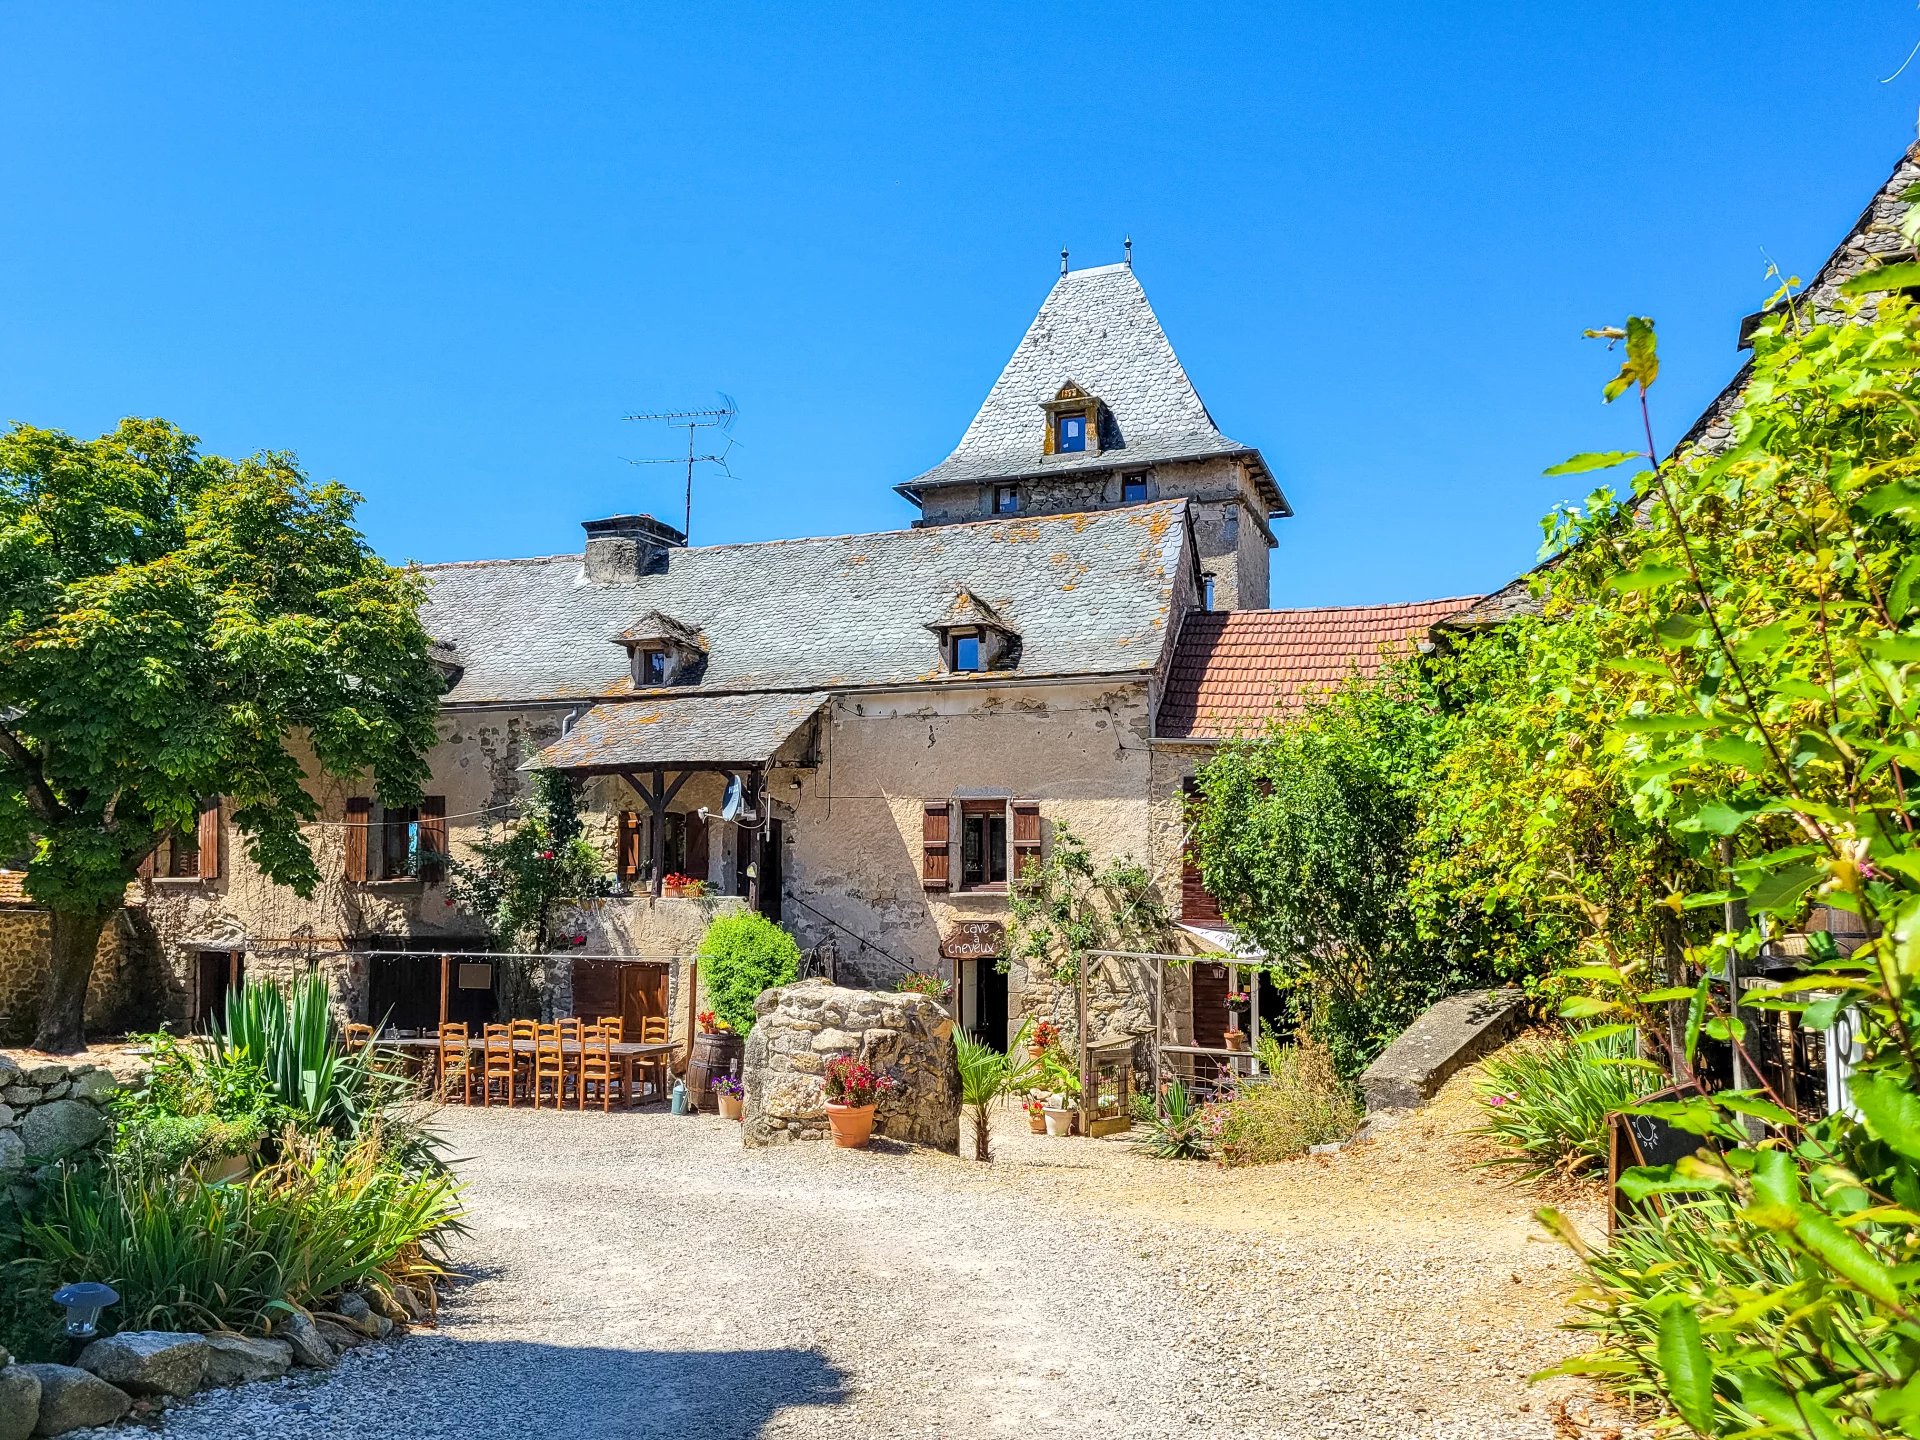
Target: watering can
{"x": 679, "y": 1103}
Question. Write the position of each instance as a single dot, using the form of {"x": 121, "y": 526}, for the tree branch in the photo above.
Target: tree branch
{"x": 40, "y": 796}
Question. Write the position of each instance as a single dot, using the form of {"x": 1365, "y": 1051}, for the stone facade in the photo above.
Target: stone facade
{"x": 904, "y": 1036}
{"x": 49, "y": 1110}
{"x": 124, "y": 992}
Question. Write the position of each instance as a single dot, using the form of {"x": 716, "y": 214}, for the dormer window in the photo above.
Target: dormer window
{"x": 662, "y": 651}
{"x": 1006, "y": 499}
{"x": 1073, "y": 422}
{"x": 974, "y": 638}
{"x": 1133, "y": 489}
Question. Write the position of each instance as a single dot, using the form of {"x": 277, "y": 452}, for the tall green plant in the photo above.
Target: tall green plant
{"x": 1755, "y": 699}
{"x": 988, "y": 1077}
{"x": 1066, "y": 905}
{"x": 1549, "y": 1102}
{"x": 520, "y": 883}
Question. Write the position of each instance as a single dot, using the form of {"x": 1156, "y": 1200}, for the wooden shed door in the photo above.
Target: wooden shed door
{"x": 1209, "y": 1003}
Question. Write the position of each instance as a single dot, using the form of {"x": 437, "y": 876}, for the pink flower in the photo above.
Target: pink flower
{"x": 1498, "y": 1100}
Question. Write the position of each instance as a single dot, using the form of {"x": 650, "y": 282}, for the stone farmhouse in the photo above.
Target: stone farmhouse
{"x": 1070, "y": 626}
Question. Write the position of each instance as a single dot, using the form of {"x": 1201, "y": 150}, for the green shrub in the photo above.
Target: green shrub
{"x": 1177, "y": 1127}
{"x": 1300, "y": 1101}
{"x": 742, "y": 957}
{"x": 188, "y": 1255}
{"x": 1548, "y": 1100}
{"x": 200, "y": 1103}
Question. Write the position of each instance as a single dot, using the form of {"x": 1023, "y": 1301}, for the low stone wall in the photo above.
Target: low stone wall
{"x": 1452, "y": 1034}
{"x": 123, "y": 993}
{"x": 50, "y": 1110}
{"x": 906, "y": 1037}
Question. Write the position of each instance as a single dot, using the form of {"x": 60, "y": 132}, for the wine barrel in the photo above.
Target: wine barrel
{"x": 714, "y": 1055}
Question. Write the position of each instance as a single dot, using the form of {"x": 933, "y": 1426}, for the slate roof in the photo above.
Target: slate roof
{"x": 13, "y": 888}
{"x": 1088, "y": 594}
{"x": 689, "y": 730}
{"x": 1234, "y": 670}
{"x": 1097, "y": 329}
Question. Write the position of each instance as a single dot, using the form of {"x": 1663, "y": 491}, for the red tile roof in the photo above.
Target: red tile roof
{"x": 1234, "y": 670}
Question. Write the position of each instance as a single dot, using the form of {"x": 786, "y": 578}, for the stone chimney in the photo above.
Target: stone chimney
{"x": 622, "y": 548}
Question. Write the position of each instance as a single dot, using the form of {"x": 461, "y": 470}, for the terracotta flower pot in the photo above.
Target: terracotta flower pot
{"x": 1037, "y": 1122}
{"x": 852, "y": 1125}
{"x": 1037, "y": 1052}
{"x": 731, "y": 1106}
{"x": 1236, "y": 1040}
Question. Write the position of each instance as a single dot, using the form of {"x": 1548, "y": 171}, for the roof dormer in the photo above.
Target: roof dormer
{"x": 1073, "y": 422}
{"x": 662, "y": 651}
{"x": 974, "y": 636}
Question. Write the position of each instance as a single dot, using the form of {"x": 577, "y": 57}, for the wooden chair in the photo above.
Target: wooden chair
{"x": 358, "y": 1036}
{"x": 523, "y": 1033}
{"x": 456, "y": 1062}
{"x": 571, "y": 1031}
{"x": 654, "y": 1030}
{"x": 549, "y": 1063}
{"x": 496, "y": 1049}
{"x": 615, "y": 1027}
{"x": 596, "y": 1066}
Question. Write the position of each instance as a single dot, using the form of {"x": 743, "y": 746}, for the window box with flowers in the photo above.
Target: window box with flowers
{"x": 852, "y": 1091}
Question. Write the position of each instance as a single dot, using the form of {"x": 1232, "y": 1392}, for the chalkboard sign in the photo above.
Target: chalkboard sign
{"x": 1647, "y": 1140}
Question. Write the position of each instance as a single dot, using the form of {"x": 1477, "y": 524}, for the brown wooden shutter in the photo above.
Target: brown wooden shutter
{"x": 1196, "y": 905}
{"x": 433, "y": 838}
{"x": 627, "y": 850}
{"x": 209, "y": 840}
{"x": 149, "y": 863}
{"x": 935, "y": 848}
{"x": 1026, "y": 837}
{"x": 359, "y": 822}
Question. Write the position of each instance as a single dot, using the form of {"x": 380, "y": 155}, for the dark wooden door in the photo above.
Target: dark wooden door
{"x": 772, "y": 876}
{"x": 218, "y": 976}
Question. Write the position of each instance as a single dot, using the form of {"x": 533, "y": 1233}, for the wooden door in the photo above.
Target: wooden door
{"x": 1209, "y": 1003}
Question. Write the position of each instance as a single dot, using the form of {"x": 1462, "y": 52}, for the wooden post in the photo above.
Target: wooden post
{"x": 657, "y": 804}
{"x": 692, "y": 982}
{"x": 1086, "y": 1088}
{"x": 446, "y": 982}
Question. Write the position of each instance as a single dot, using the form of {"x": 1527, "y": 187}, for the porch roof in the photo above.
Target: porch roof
{"x": 683, "y": 731}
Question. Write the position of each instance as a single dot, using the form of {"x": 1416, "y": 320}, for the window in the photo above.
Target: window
{"x": 1070, "y": 433}
{"x": 1206, "y": 592}
{"x": 966, "y": 650}
{"x": 399, "y": 841}
{"x": 402, "y": 842}
{"x": 183, "y": 859}
{"x": 1133, "y": 489}
{"x": 983, "y": 844}
{"x": 651, "y": 668}
{"x": 1006, "y": 499}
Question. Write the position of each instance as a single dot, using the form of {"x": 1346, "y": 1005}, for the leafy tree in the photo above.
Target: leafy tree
{"x": 744, "y": 956}
{"x": 176, "y": 626}
{"x": 518, "y": 883}
{"x": 1065, "y": 906}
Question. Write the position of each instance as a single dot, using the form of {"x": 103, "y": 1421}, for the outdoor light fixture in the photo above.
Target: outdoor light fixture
{"x": 83, "y": 1303}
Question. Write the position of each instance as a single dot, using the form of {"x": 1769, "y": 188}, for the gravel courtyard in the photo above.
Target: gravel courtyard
{"x": 636, "y": 1276}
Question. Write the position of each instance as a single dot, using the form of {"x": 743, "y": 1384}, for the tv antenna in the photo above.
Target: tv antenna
{"x": 694, "y": 421}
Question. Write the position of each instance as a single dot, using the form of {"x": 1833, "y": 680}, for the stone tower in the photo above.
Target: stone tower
{"x": 1093, "y": 412}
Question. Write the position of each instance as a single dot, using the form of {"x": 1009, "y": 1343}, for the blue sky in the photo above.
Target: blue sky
{"x": 439, "y": 251}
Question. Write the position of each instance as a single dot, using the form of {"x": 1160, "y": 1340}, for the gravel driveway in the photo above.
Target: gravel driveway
{"x": 637, "y": 1275}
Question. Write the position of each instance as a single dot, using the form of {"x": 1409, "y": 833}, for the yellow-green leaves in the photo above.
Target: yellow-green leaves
{"x": 1685, "y": 1367}
{"x": 1642, "y": 365}
{"x": 1593, "y": 460}
{"x": 1901, "y": 275}
{"x": 1892, "y": 1112}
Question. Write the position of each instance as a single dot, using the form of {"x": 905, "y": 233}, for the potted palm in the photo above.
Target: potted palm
{"x": 989, "y": 1078}
{"x": 852, "y": 1091}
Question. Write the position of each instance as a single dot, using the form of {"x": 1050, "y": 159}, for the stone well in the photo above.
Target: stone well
{"x": 801, "y": 1027}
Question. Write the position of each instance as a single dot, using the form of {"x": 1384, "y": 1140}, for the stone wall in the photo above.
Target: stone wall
{"x": 801, "y": 1027}
{"x": 123, "y": 993}
{"x": 49, "y": 1110}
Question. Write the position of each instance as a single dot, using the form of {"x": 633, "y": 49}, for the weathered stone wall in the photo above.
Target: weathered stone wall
{"x": 1228, "y": 514}
{"x": 49, "y": 1110}
{"x": 123, "y": 992}
{"x": 801, "y": 1027}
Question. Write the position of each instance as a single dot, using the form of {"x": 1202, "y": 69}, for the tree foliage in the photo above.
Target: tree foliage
{"x": 1065, "y": 905}
{"x": 519, "y": 881}
{"x": 176, "y": 626}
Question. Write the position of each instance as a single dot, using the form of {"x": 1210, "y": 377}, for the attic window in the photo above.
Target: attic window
{"x": 1072, "y": 434}
{"x": 1073, "y": 421}
{"x": 965, "y": 650}
{"x": 1006, "y": 499}
{"x": 1133, "y": 489}
{"x": 662, "y": 651}
{"x": 650, "y": 667}
{"x": 974, "y": 637}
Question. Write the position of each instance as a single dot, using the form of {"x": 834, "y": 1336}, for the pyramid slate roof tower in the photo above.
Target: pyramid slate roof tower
{"x": 1093, "y": 412}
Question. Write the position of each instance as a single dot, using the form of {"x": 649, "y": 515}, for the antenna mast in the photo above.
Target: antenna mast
{"x": 692, "y": 421}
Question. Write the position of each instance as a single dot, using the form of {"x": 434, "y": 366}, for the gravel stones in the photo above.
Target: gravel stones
{"x": 243, "y": 1359}
{"x": 72, "y": 1399}
{"x": 19, "y": 1401}
{"x": 149, "y": 1362}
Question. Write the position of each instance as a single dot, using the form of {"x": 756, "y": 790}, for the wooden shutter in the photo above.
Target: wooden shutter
{"x": 696, "y": 848}
{"x": 433, "y": 838}
{"x": 1026, "y": 837}
{"x": 359, "y": 822}
{"x": 936, "y": 828}
{"x": 627, "y": 850}
{"x": 1196, "y": 905}
{"x": 209, "y": 840}
{"x": 148, "y": 862}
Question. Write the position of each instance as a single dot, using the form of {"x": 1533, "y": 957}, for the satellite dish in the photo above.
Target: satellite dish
{"x": 734, "y": 801}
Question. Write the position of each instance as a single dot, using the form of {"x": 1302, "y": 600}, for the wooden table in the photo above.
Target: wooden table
{"x": 626, "y": 1053}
